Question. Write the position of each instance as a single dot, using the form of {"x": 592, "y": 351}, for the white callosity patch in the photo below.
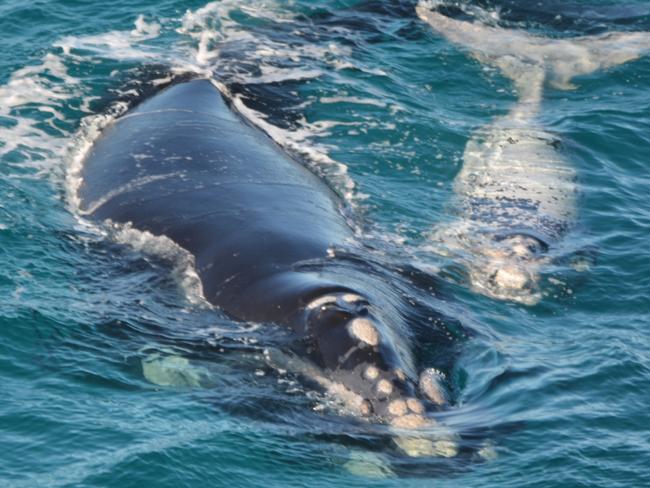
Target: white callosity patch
{"x": 397, "y": 407}
{"x": 431, "y": 438}
{"x": 34, "y": 136}
{"x": 513, "y": 174}
{"x": 364, "y": 330}
{"x": 415, "y": 434}
{"x": 365, "y": 408}
{"x": 118, "y": 45}
{"x": 384, "y": 387}
{"x": 415, "y": 406}
{"x": 351, "y": 298}
{"x": 400, "y": 374}
{"x": 321, "y": 301}
{"x": 410, "y": 421}
{"x": 371, "y": 373}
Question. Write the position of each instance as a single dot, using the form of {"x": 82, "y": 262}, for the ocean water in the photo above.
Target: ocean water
{"x": 115, "y": 372}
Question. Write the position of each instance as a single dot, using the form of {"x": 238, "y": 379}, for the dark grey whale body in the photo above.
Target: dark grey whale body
{"x": 184, "y": 165}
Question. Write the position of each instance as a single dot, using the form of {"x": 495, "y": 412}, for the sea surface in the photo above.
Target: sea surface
{"x": 114, "y": 372}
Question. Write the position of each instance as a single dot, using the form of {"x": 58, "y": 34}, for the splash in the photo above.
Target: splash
{"x": 117, "y": 45}
{"x": 33, "y": 103}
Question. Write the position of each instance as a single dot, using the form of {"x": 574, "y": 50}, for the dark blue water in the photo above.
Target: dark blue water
{"x": 114, "y": 372}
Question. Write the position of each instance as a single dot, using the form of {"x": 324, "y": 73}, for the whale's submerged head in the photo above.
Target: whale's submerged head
{"x": 506, "y": 265}
{"x": 509, "y": 267}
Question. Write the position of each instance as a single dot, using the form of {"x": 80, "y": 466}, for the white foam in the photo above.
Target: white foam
{"x": 300, "y": 142}
{"x": 46, "y": 87}
{"x": 36, "y": 97}
{"x": 356, "y": 100}
{"x": 213, "y": 27}
{"x": 184, "y": 270}
{"x": 212, "y": 24}
{"x": 273, "y": 74}
{"x": 118, "y": 45}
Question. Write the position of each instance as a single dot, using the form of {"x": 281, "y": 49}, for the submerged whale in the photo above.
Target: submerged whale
{"x": 516, "y": 192}
{"x": 260, "y": 226}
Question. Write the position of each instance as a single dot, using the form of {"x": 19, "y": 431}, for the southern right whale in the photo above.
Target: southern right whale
{"x": 260, "y": 227}
{"x": 516, "y": 192}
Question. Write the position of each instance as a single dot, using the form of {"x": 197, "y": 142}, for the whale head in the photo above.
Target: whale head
{"x": 364, "y": 366}
{"x": 349, "y": 352}
{"x": 508, "y": 267}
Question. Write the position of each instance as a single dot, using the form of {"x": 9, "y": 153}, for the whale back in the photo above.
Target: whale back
{"x": 184, "y": 165}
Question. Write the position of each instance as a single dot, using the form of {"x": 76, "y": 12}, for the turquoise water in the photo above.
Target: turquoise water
{"x": 380, "y": 106}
